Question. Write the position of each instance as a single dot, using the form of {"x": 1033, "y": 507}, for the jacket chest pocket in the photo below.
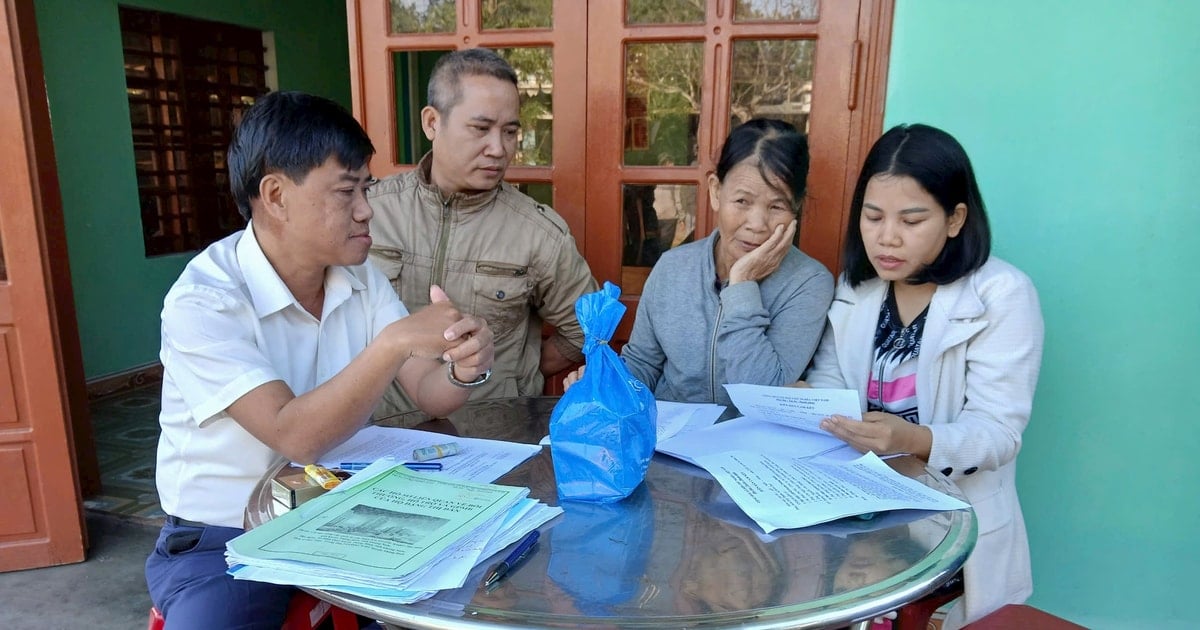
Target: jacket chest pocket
{"x": 391, "y": 263}
{"x": 502, "y": 295}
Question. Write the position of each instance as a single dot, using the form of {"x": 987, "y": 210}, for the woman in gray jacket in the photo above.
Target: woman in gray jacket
{"x": 742, "y": 305}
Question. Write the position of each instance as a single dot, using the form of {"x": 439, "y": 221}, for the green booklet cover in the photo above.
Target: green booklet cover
{"x": 390, "y": 525}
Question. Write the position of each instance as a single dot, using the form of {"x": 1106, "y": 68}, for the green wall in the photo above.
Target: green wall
{"x": 118, "y": 291}
{"x": 1081, "y": 119}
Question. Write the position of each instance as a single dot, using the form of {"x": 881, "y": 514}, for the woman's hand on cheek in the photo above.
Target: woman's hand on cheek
{"x": 765, "y": 258}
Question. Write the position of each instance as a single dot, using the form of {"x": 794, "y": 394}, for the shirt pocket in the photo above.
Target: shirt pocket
{"x": 391, "y": 263}
{"x": 502, "y": 295}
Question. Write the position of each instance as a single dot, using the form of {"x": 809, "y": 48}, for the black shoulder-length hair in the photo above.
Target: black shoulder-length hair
{"x": 940, "y": 165}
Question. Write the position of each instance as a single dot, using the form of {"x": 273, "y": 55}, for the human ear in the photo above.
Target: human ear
{"x": 272, "y": 189}
{"x": 430, "y": 119}
{"x": 956, "y": 220}
{"x": 714, "y": 192}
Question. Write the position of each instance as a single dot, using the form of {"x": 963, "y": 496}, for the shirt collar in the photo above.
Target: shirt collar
{"x": 267, "y": 290}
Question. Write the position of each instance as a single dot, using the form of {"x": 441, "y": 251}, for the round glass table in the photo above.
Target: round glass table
{"x": 676, "y": 553}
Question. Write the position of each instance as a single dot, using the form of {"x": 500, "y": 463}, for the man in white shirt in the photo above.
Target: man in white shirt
{"x": 279, "y": 341}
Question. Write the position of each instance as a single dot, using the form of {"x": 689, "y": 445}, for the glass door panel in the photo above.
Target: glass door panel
{"x": 422, "y": 16}
{"x": 776, "y": 10}
{"x": 662, "y": 102}
{"x": 772, "y": 78}
{"x": 508, "y": 14}
{"x": 664, "y": 11}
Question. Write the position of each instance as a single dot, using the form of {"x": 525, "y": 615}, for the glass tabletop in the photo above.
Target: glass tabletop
{"x": 677, "y": 552}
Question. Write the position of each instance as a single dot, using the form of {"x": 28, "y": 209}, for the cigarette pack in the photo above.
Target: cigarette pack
{"x": 292, "y": 487}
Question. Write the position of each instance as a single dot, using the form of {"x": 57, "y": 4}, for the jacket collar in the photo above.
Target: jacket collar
{"x": 955, "y": 313}
{"x": 460, "y": 202}
{"x": 953, "y": 318}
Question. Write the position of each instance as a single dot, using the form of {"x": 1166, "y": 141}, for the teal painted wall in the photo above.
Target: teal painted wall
{"x": 1081, "y": 119}
{"x": 118, "y": 291}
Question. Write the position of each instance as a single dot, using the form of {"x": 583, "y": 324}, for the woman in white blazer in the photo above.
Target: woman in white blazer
{"x": 943, "y": 342}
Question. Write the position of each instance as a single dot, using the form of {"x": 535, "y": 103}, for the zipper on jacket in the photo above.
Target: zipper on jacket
{"x": 712, "y": 352}
{"x": 439, "y": 257}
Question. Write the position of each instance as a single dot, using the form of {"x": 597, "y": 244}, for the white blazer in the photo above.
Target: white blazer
{"x": 976, "y": 374}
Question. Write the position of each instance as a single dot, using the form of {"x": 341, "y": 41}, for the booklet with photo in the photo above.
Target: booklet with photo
{"x": 393, "y": 524}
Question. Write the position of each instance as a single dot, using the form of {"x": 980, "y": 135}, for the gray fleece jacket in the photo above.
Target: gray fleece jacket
{"x": 690, "y": 337}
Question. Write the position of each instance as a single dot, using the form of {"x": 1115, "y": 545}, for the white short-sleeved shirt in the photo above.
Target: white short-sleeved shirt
{"x": 229, "y": 324}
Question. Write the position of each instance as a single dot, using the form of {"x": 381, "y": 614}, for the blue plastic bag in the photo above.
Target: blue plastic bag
{"x": 602, "y": 430}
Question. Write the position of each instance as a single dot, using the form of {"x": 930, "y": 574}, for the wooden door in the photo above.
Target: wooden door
{"x": 639, "y": 95}
{"x": 41, "y": 519}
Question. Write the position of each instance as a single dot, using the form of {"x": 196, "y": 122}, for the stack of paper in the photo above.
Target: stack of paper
{"x": 784, "y": 492}
{"x": 395, "y": 535}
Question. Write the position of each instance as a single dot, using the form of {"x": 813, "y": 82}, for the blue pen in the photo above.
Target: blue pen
{"x": 353, "y": 466}
{"x": 523, "y": 548}
{"x": 423, "y": 465}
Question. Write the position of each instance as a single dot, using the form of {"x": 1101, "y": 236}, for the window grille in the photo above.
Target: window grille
{"x": 189, "y": 82}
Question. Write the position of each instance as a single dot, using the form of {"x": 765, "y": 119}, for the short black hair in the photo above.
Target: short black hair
{"x": 292, "y": 133}
{"x": 781, "y": 152}
{"x": 936, "y": 161}
{"x": 445, "y": 82}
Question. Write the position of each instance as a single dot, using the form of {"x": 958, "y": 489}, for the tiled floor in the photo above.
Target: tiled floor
{"x": 126, "y": 434}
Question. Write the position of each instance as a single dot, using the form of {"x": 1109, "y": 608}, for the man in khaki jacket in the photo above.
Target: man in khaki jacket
{"x": 455, "y": 223}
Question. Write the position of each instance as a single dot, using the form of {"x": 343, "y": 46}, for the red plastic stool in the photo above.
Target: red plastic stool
{"x": 305, "y": 612}
{"x": 1021, "y": 616}
{"x": 156, "y": 620}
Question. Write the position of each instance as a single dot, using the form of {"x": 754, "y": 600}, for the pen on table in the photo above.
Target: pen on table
{"x": 523, "y": 548}
{"x": 357, "y": 466}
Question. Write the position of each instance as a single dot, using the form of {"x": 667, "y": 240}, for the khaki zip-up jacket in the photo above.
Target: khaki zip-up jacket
{"x": 498, "y": 254}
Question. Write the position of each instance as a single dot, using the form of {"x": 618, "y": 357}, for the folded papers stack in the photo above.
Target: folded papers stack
{"x": 388, "y": 534}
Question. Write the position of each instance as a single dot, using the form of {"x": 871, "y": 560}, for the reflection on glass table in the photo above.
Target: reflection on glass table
{"x": 677, "y": 553}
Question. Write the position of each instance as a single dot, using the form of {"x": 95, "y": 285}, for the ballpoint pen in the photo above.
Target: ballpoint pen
{"x": 523, "y": 548}
{"x": 357, "y": 466}
{"x": 423, "y": 465}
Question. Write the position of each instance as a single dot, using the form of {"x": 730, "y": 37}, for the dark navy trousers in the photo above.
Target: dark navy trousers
{"x": 189, "y": 585}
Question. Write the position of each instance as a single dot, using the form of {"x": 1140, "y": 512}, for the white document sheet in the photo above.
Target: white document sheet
{"x": 673, "y": 418}
{"x": 749, "y": 434}
{"x": 677, "y": 417}
{"x": 799, "y": 407}
{"x": 784, "y": 493}
{"x": 477, "y": 459}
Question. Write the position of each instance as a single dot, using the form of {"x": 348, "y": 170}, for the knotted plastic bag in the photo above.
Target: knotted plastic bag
{"x": 602, "y": 430}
